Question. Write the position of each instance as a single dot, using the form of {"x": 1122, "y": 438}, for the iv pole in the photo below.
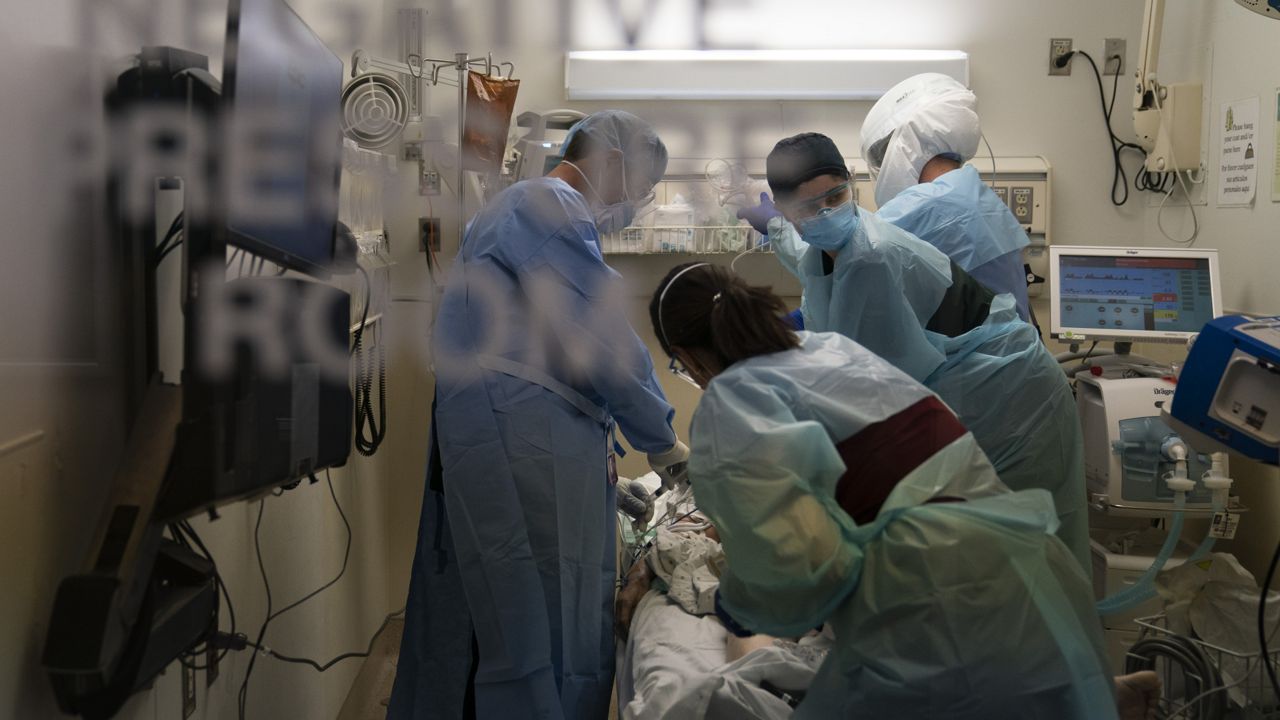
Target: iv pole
{"x": 362, "y": 62}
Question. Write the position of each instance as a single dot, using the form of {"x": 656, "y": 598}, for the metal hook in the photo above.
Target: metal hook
{"x": 409, "y": 60}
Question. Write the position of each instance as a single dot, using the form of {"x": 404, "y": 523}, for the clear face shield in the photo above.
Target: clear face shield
{"x": 675, "y": 366}
{"x": 645, "y": 205}
{"x": 642, "y": 203}
{"x": 875, "y": 155}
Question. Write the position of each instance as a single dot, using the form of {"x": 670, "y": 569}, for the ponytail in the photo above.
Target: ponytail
{"x": 710, "y": 307}
{"x": 747, "y": 321}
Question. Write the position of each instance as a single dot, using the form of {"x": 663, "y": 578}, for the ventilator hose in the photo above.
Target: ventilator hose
{"x": 1144, "y": 589}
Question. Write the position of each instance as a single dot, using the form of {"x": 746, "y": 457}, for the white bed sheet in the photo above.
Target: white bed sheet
{"x": 673, "y": 667}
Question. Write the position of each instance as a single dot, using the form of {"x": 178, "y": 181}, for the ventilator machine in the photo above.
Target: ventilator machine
{"x": 1138, "y": 468}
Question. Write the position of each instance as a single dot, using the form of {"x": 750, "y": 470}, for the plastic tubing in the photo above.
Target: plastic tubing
{"x": 1217, "y": 481}
{"x": 1144, "y": 589}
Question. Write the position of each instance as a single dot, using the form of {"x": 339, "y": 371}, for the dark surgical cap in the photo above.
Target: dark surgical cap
{"x": 799, "y": 159}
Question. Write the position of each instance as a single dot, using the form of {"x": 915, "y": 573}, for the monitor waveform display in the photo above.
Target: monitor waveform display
{"x": 1141, "y": 295}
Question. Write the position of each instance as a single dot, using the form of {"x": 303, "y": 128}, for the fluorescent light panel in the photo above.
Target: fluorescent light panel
{"x": 750, "y": 74}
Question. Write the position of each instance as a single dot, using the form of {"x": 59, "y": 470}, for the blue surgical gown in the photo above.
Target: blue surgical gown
{"x": 535, "y": 361}
{"x": 998, "y": 378}
{"x": 951, "y": 611}
{"x": 958, "y": 214}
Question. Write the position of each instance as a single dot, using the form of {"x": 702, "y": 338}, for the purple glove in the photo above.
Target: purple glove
{"x": 760, "y": 215}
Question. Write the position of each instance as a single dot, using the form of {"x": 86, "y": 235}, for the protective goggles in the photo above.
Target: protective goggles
{"x": 809, "y": 208}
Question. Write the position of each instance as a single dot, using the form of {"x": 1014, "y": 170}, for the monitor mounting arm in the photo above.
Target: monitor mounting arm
{"x": 1166, "y": 118}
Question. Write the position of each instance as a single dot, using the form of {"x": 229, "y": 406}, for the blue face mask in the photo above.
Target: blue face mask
{"x": 831, "y": 229}
{"x": 612, "y": 218}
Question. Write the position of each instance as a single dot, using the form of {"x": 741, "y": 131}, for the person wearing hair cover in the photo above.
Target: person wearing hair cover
{"x": 916, "y": 141}
{"x": 510, "y": 609}
{"x": 845, "y": 492}
{"x": 904, "y": 300}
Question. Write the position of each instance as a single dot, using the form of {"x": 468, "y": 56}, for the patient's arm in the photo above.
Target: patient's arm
{"x": 737, "y": 647}
{"x": 638, "y": 581}
{"x": 634, "y": 586}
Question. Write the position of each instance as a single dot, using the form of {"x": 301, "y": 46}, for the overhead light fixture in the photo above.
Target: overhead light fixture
{"x": 751, "y": 74}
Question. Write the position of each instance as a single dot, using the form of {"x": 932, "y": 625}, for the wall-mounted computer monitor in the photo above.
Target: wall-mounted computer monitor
{"x": 270, "y": 412}
{"x": 1132, "y": 294}
{"x": 282, "y": 147}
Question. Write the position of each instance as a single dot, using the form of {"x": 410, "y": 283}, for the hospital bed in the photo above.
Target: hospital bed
{"x": 676, "y": 665}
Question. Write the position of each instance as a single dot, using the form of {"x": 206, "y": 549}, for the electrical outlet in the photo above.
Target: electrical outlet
{"x": 1057, "y": 48}
{"x": 1113, "y": 48}
{"x": 428, "y": 234}
{"x": 428, "y": 182}
{"x": 1023, "y": 204}
{"x": 411, "y": 152}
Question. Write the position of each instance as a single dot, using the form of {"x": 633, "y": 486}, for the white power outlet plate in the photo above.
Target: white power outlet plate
{"x": 1057, "y": 48}
{"x": 1112, "y": 48}
{"x": 429, "y": 182}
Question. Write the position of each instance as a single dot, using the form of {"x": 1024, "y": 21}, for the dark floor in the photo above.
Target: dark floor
{"x": 371, "y": 690}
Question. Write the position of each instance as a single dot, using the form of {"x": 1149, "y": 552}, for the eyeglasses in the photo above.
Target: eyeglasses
{"x": 810, "y": 207}
{"x": 678, "y": 369}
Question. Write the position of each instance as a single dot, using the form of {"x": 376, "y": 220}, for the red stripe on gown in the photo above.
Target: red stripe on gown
{"x": 885, "y": 452}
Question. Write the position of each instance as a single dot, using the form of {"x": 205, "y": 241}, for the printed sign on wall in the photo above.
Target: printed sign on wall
{"x": 1238, "y": 165}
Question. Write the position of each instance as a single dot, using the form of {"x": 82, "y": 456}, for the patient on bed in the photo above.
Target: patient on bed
{"x": 1137, "y": 694}
{"x": 686, "y": 561}
{"x": 681, "y": 663}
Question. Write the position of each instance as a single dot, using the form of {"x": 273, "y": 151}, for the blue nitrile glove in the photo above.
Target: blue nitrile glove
{"x": 760, "y": 215}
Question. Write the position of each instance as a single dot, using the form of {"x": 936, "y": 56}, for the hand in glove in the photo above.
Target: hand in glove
{"x": 672, "y": 466}
{"x": 760, "y": 215}
{"x": 635, "y": 500}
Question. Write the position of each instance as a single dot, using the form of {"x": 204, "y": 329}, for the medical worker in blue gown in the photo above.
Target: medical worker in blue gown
{"x": 510, "y": 610}
{"x": 906, "y": 301}
{"x": 844, "y": 492}
{"x": 916, "y": 140}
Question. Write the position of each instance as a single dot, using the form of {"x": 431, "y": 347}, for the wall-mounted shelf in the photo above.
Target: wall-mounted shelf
{"x": 681, "y": 240}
